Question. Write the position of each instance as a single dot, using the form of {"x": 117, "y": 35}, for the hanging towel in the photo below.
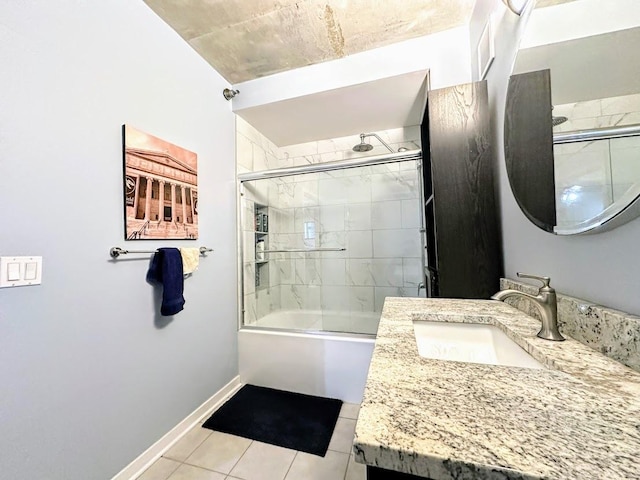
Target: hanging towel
{"x": 190, "y": 259}
{"x": 166, "y": 268}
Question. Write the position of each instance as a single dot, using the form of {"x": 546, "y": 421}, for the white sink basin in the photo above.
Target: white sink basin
{"x": 470, "y": 342}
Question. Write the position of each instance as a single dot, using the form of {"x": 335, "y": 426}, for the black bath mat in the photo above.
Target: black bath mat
{"x": 290, "y": 420}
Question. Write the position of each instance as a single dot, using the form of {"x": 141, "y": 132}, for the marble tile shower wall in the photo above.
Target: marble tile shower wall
{"x": 604, "y": 112}
{"x": 373, "y": 212}
{"x": 611, "y": 332}
{"x": 254, "y": 151}
{"x": 598, "y": 172}
{"x": 342, "y": 148}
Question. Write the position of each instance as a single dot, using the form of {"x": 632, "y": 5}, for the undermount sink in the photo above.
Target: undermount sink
{"x": 470, "y": 342}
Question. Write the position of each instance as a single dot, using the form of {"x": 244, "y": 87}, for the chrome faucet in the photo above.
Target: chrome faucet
{"x": 546, "y": 303}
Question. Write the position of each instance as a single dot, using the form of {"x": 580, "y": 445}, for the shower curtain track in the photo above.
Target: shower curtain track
{"x": 306, "y": 250}
{"x": 606, "y": 133}
{"x": 329, "y": 166}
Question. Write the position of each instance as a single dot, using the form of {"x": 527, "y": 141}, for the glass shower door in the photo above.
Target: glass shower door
{"x": 322, "y": 250}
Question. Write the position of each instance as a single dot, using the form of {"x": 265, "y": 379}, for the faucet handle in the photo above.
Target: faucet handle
{"x": 545, "y": 280}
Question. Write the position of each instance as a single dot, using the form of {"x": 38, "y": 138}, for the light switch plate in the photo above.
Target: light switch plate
{"x": 20, "y": 271}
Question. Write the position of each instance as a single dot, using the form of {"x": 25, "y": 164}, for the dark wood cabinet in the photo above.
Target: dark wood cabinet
{"x": 464, "y": 252}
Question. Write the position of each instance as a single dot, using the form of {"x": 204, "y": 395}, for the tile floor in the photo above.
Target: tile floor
{"x": 203, "y": 454}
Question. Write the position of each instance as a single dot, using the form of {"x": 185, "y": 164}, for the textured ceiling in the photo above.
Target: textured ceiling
{"x": 248, "y": 39}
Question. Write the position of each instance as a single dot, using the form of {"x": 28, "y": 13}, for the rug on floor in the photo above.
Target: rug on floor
{"x": 286, "y": 419}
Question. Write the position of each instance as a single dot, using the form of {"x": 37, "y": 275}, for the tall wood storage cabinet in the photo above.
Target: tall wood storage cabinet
{"x": 464, "y": 253}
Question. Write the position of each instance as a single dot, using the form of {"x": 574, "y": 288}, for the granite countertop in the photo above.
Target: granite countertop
{"x": 577, "y": 419}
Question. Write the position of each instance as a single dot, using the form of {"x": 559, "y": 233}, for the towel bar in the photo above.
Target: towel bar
{"x": 115, "y": 252}
{"x": 305, "y": 250}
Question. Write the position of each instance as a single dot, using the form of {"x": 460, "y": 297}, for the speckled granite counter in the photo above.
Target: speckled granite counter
{"x": 579, "y": 419}
{"x": 613, "y": 333}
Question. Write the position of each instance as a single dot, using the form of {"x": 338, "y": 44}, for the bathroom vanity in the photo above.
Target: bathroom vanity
{"x": 577, "y": 417}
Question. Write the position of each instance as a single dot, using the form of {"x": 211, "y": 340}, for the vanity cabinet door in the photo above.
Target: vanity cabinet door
{"x": 463, "y": 242}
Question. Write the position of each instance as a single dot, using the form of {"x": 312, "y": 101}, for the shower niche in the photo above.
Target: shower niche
{"x": 261, "y": 241}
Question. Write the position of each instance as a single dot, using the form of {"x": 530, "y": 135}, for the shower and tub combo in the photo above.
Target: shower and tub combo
{"x": 321, "y": 246}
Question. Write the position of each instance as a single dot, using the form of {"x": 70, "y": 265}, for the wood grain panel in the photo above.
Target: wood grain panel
{"x": 462, "y": 162}
{"x": 528, "y": 134}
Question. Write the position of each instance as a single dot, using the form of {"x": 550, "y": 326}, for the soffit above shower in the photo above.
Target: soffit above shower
{"x": 248, "y": 39}
{"x": 391, "y": 102}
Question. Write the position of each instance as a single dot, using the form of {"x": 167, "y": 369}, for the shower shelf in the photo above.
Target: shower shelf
{"x": 261, "y": 237}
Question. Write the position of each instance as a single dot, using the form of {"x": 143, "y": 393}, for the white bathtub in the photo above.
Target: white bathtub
{"x": 323, "y": 364}
{"x": 326, "y": 321}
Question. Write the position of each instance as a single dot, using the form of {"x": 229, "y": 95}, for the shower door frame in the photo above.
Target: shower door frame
{"x": 410, "y": 155}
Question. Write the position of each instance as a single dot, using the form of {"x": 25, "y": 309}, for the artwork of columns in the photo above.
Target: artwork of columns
{"x": 160, "y": 188}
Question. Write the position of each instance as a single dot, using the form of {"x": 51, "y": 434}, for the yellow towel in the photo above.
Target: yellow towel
{"x": 190, "y": 259}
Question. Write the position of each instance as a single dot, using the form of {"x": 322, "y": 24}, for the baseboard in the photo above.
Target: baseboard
{"x": 155, "y": 451}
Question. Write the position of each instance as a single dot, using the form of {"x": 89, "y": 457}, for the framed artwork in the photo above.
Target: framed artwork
{"x": 486, "y": 51}
{"x": 160, "y": 188}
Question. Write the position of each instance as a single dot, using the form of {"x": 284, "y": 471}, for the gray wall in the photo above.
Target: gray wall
{"x": 90, "y": 376}
{"x": 602, "y": 268}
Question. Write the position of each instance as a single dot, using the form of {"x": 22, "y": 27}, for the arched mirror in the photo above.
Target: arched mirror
{"x": 572, "y": 121}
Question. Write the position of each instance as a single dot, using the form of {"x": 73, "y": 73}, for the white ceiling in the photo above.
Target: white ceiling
{"x": 368, "y": 107}
{"x": 248, "y": 39}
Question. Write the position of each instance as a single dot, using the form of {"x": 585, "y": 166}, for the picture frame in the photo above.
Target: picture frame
{"x": 160, "y": 182}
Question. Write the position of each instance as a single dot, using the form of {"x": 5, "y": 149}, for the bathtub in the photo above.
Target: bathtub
{"x": 319, "y": 320}
{"x": 327, "y": 364}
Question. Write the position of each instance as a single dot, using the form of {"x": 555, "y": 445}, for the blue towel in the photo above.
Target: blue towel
{"x": 166, "y": 268}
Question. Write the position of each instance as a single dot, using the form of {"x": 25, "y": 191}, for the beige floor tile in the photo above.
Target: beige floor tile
{"x": 342, "y": 439}
{"x": 189, "y": 472}
{"x": 187, "y": 444}
{"x": 262, "y": 461}
{"x": 159, "y": 470}
{"x": 305, "y": 466}
{"x": 355, "y": 471}
{"x": 350, "y": 410}
{"x": 219, "y": 452}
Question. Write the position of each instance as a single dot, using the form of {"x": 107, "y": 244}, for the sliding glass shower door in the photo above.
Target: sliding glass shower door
{"x": 322, "y": 250}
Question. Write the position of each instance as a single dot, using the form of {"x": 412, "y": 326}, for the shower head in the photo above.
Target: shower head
{"x": 362, "y": 147}
{"x": 365, "y": 147}
{"x": 555, "y": 121}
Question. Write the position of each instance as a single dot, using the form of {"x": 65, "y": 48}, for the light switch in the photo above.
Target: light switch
{"x": 31, "y": 271}
{"x": 13, "y": 272}
{"x": 20, "y": 271}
